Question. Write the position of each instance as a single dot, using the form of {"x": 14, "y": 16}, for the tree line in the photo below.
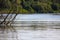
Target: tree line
{"x": 30, "y": 6}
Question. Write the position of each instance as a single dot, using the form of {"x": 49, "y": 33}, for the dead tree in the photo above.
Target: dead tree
{"x": 6, "y": 23}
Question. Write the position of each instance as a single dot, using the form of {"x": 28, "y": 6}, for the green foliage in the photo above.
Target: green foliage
{"x": 30, "y": 6}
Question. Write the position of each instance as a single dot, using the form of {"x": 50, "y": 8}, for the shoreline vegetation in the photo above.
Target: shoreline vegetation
{"x": 30, "y": 6}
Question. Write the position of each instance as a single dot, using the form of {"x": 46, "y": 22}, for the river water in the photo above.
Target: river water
{"x": 48, "y": 28}
{"x": 37, "y": 17}
{"x": 49, "y": 34}
{"x": 25, "y": 34}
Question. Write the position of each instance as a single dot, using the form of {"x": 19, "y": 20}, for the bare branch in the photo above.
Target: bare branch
{"x": 5, "y": 19}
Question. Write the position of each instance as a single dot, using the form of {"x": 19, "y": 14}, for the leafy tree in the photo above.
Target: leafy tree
{"x": 30, "y": 6}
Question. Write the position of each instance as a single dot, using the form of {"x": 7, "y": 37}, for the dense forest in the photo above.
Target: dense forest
{"x": 29, "y": 6}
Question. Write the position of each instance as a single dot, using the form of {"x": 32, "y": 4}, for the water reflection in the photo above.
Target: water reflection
{"x": 39, "y": 17}
{"x": 37, "y": 24}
